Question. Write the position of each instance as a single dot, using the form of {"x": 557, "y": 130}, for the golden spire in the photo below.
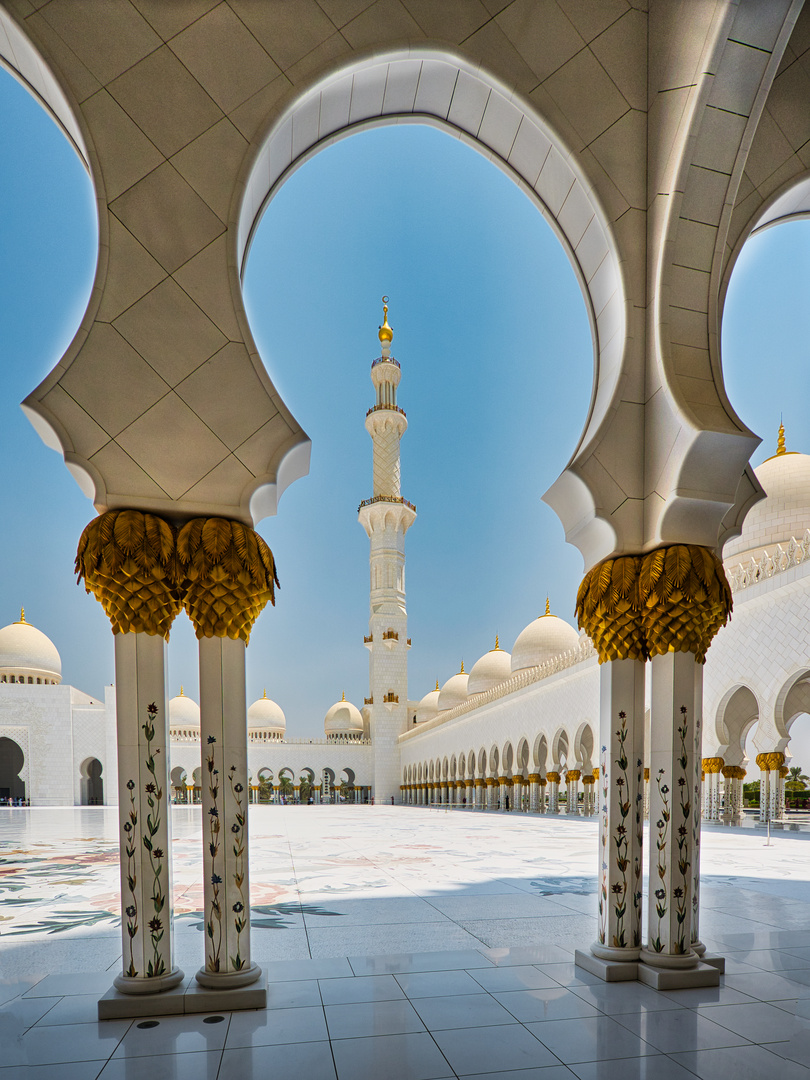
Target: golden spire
{"x": 548, "y": 607}
{"x": 497, "y": 646}
{"x": 264, "y": 695}
{"x": 780, "y": 442}
{"x": 343, "y": 698}
{"x": 437, "y": 684}
{"x": 22, "y": 614}
{"x": 462, "y": 668}
{"x": 386, "y": 334}
{"x": 181, "y": 691}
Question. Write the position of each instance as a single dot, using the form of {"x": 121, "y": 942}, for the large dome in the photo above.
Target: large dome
{"x": 266, "y": 715}
{"x": 27, "y": 655}
{"x": 542, "y": 640}
{"x": 184, "y": 712}
{"x": 343, "y": 719}
{"x": 784, "y": 513}
{"x": 491, "y": 669}
{"x": 428, "y": 707}
{"x": 454, "y": 691}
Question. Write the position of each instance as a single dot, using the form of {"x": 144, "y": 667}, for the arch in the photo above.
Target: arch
{"x": 738, "y": 711}
{"x": 494, "y": 760}
{"x": 434, "y": 86}
{"x": 522, "y": 757}
{"x": 92, "y": 786}
{"x": 584, "y": 745}
{"x": 540, "y": 753}
{"x": 507, "y": 758}
{"x": 482, "y": 763}
{"x": 559, "y": 747}
{"x": 12, "y": 763}
{"x": 178, "y": 779}
{"x": 792, "y": 700}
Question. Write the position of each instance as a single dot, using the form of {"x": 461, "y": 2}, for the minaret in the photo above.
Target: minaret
{"x": 386, "y": 517}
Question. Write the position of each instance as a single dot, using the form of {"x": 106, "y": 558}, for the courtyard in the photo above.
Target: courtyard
{"x": 401, "y": 943}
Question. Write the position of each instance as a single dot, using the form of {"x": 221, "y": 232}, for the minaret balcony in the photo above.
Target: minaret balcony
{"x": 367, "y": 641}
{"x": 391, "y": 701}
{"x": 384, "y": 360}
{"x": 386, "y": 499}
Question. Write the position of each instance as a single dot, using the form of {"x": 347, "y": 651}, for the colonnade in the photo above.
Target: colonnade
{"x": 533, "y": 794}
{"x": 143, "y": 570}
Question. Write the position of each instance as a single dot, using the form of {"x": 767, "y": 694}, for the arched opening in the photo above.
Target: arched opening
{"x": 180, "y": 793}
{"x": 12, "y": 760}
{"x": 92, "y": 785}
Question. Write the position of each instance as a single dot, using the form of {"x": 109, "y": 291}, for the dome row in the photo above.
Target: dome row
{"x": 27, "y": 655}
{"x": 542, "y": 640}
{"x": 263, "y": 715}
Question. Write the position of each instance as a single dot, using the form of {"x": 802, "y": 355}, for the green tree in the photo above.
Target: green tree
{"x": 797, "y": 781}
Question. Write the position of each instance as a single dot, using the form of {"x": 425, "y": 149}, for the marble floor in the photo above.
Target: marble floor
{"x": 402, "y": 944}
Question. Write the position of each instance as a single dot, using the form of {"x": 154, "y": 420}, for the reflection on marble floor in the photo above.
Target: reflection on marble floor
{"x": 405, "y": 944}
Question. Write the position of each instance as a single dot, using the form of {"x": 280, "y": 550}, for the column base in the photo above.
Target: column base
{"x": 607, "y": 970}
{"x": 228, "y": 980}
{"x": 182, "y": 1000}
{"x": 678, "y": 978}
{"x": 158, "y": 985}
{"x": 670, "y": 961}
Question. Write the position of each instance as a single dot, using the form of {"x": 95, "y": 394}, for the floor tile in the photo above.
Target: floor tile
{"x": 80, "y": 1009}
{"x": 22, "y": 1013}
{"x": 758, "y": 1022}
{"x": 364, "y": 1019}
{"x": 774, "y": 960}
{"x": 707, "y": 995}
{"x": 173, "y": 1035}
{"x": 522, "y": 977}
{"x": 680, "y": 1030}
{"x": 407, "y": 962}
{"x": 570, "y": 975}
{"x": 193, "y": 1066}
{"x": 389, "y": 1057}
{"x": 557, "y": 1004}
{"x": 589, "y": 1039}
{"x": 84, "y": 1042}
{"x": 361, "y": 988}
{"x": 76, "y": 1070}
{"x": 461, "y": 1011}
{"x": 528, "y": 954}
{"x": 296, "y": 970}
{"x": 12, "y": 988}
{"x": 551, "y": 1072}
{"x": 767, "y": 986}
{"x": 797, "y": 1048}
{"x": 69, "y": 984}
{"x": 651, "y": 1067}
{"x": 269, "y": 1028}
{"x": 311, "y": 1060}
{"x": 615, "y": 998}
{"x": 294, "y": 995}
{"x": 491, "y": 1048}
{"x": 741, "y": 1063}
{"x": 439, "y": 983}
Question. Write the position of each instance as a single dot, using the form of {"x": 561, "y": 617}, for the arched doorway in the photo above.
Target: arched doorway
{"x": 92, "y": 785}
{"x": 12, "y": 760}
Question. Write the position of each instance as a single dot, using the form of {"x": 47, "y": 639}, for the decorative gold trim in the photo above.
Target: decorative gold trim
{"x": 733, "y": 772}
{"x": 712, "y": 764}
{"x": 673, "y": 599}
{"x": 553, "y": 777}
{"x": 230, "y": 575}
{"x": 128, "y": 560}
{"x": 770, "y": 762}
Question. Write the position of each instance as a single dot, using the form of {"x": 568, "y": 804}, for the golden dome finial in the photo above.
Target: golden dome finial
{"x": 386, "y": 334}
{"x": 343, "y": 698}
{"x": 264, "y": 695}
{"x": 548, "y": 607}
{"x": 497, "y": 646}
{"x": 181, "y": 691}
{"x": 462, "y": 668}
{"x": 780, "y": 442}
{"x": 437, "y": 684}
{"x": 22, "y": 614}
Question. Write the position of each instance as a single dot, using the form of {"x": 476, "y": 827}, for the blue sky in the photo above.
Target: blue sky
{"x": 493, "y": 338}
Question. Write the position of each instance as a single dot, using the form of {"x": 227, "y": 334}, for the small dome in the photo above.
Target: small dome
{"x": 343, "y": 719}
{"x": 491, "y": 669}
{"x": 542, "y": 640}
{"x": 428, "y": 707}
{"x": 266, "y": 715}
{"x": 26, "y": 653}
{"x": 782, "y": 514}
{"x": 183, "y": 711}
{"x": 454, "y": 691}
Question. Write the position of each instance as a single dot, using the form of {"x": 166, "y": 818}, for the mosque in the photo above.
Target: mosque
{"x": 519, "y": 731}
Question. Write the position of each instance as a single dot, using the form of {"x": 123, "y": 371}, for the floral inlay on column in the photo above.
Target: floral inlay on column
{"x": 154, "y": 798}
{"x": 213, "y": 926}
{"x": 681, "y": 892}
{"x": 238, "y": 831}
{"x": 131, "y": 910}
{"x": 662, "y": 826}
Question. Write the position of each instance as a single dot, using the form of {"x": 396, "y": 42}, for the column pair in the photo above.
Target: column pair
{"x": 663, "y": 607}
{"x": 143, "y": 571}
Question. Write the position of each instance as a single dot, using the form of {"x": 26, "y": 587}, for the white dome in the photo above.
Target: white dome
{"x": 26, "y": 653}
{"x": 784, "y": 513}
{"x": 428, "y": 707}
{"x": 454, "y": 691}
{"x": 183, "y": 711}
{"x": 266, "y": 715}
{"x": 491, "y": 669}
{"x": 343, "y": 718}
{"x": 542, "y": 640}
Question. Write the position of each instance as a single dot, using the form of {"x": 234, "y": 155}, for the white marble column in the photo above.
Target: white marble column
{"x": 673, "y": 854}
{"x": 144, "y": 815}
{"x": 534, "y": 793}
{"x": 621, "y": 713}
{"x": 542, "y": 796}
{"x": 223, "y": 724}
{"x": 553, "y": 792}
